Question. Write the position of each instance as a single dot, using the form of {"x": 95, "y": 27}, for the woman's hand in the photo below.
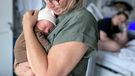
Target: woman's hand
{"x": 24, "y": 69}
{"x": 30, "y": 19}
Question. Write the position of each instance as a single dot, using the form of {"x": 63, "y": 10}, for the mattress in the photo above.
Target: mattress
{"x": 113, "y": 62}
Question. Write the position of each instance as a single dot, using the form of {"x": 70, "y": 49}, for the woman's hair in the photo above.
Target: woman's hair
{"x": 123, "y": 13}
{"x": 72, "y": 4}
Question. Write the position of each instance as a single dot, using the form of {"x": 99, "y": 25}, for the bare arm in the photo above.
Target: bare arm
{"x": 121, "y": 38}
{"x": 23, "y": 69}
{"x": 59, "y": 62}
{"x": 103, "y": 36}
{"x": 108, "y": 44}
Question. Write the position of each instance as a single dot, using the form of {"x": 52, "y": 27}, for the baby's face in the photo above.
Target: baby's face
{"x": 45, "y": 26}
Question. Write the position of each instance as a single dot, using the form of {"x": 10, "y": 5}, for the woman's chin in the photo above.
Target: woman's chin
{"x": 58, "y": 12}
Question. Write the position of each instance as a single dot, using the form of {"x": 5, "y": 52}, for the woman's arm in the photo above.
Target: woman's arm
{"x": 122, "y": 37}
{"x": 29, "y": 20}
{"x": 103, "y": 36}
{"x": 23, "y": 69}
{"x": 108, "y": 44}
{"x": 61, "y": 59}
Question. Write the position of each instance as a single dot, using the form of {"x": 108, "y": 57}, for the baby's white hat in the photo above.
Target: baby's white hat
{"x": 47, "y": 14}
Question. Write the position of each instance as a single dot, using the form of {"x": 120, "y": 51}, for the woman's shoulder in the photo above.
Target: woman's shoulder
{"x": 83, "y": 13}
{"x": 77, "y": 14}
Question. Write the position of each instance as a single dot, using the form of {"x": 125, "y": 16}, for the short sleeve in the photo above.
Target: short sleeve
{"x": 102, "y": 25}
{"x": 81, "y": 27}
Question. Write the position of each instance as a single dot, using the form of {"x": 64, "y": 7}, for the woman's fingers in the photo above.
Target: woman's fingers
{"x": 36, "y": 13}
{"x": 31, "y": 12}
{"x": 30, "y": 18}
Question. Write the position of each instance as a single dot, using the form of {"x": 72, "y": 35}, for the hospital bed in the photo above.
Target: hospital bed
{"x": 109, "y": 63}
{"x": 95, "y": 11}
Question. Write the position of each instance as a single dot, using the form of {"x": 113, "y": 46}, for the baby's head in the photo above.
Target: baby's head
{"x": 45, "y": 26}
{"x": 46, "y": 21}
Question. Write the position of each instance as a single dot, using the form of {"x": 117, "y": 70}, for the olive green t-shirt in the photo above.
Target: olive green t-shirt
{"x": 77, "y": 25}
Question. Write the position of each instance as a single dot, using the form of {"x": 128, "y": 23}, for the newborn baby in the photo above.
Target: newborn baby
{"x": 45, "y": 24}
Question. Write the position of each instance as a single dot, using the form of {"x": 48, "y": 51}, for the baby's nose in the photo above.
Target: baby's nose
{"x": 46, "y": 31}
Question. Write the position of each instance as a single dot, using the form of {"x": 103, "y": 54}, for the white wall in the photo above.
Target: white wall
{"x": 6, "y": 52}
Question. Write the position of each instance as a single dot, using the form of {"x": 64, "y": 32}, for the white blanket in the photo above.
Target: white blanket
{"x": 129, "y": 52}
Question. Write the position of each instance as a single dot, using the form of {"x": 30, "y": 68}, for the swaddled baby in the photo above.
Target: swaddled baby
{"x": 45, "y": 24}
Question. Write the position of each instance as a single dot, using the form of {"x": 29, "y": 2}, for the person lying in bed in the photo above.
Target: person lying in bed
{"x": 111, "y": 36}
